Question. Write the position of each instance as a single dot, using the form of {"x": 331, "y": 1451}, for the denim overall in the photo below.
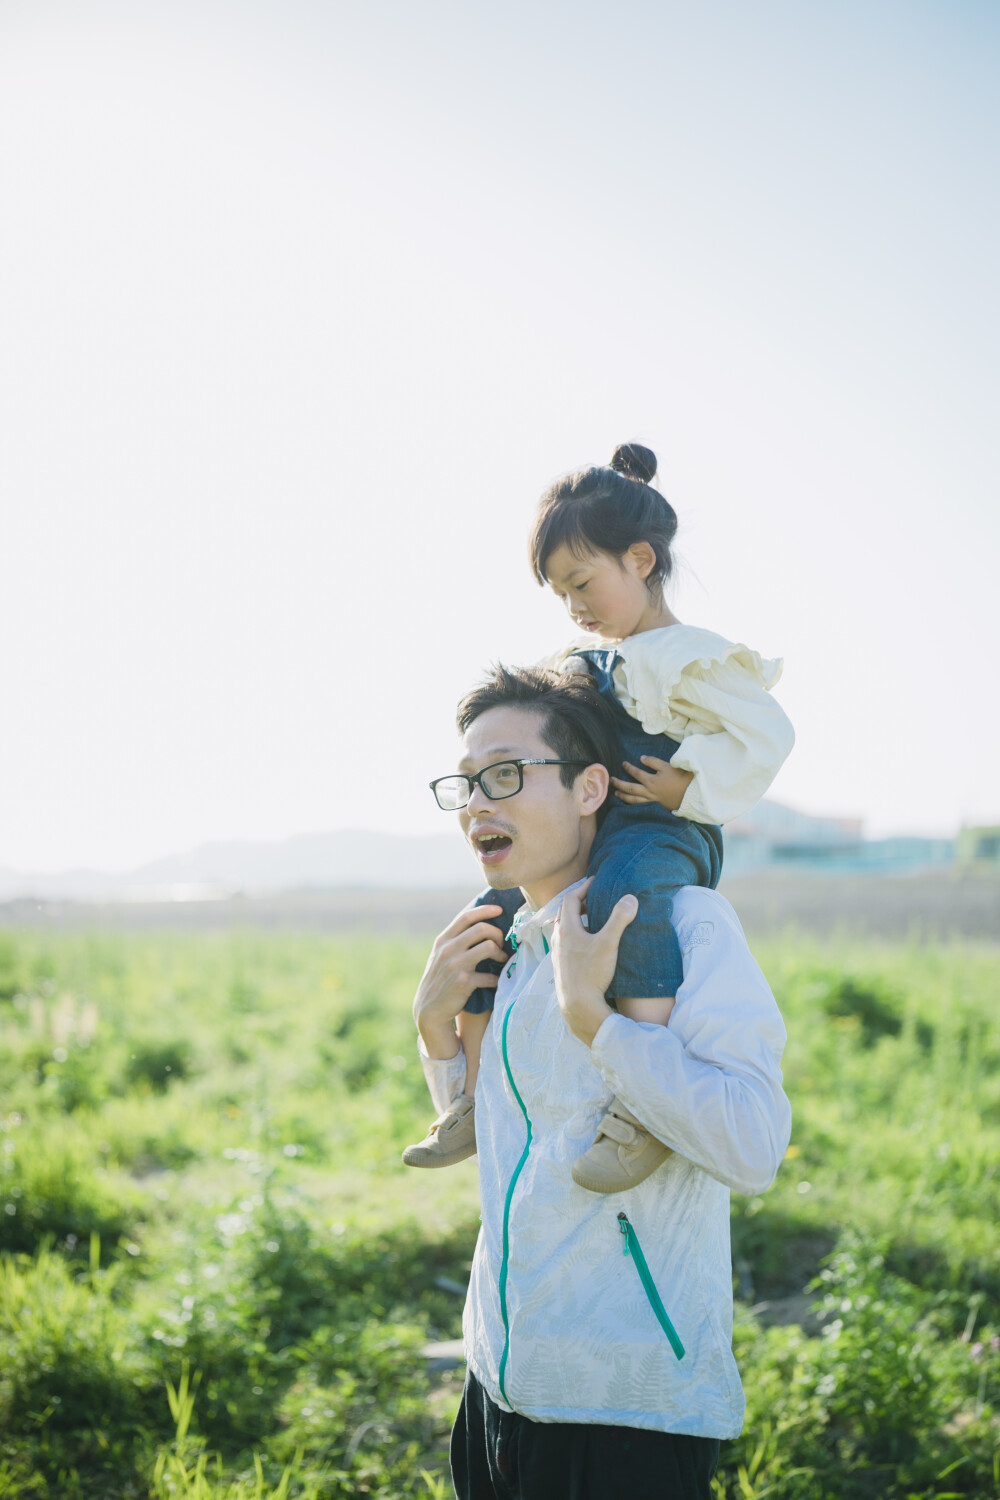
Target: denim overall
{"x": 641, "y": 849}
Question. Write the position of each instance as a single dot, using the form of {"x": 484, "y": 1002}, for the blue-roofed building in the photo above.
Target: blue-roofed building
{"x": 772, "y": 836}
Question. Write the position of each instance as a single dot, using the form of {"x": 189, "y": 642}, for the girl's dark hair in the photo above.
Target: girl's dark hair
{"x": 606, "y": 510}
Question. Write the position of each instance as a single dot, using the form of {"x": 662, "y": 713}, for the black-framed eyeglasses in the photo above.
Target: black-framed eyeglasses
{"x": 504, "y": 778}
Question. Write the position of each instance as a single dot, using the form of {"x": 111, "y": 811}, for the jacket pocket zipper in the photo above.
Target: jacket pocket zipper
{"x": 634, "y": 1249}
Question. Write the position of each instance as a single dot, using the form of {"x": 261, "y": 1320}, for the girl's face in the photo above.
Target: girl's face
{"x": 604, "y": 594}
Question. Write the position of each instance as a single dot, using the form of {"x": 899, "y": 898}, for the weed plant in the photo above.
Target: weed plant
{"x": 217, "y": 1280}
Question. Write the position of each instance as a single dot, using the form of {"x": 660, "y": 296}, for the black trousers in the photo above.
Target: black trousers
{"x": 499, "y": 1455}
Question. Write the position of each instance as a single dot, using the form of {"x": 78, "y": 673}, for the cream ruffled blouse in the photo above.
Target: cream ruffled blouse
{"x": 712, "y": 695}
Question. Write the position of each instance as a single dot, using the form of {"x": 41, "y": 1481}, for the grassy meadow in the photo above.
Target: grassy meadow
{"x": 216, "y": 1278}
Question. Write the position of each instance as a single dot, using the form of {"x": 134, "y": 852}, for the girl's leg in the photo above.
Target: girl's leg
{"x": 655, "y": 1011}
{"x": 471, "y": 1030}
{"x": 452, "y": 1136}
{"x": 651, "y": 863}
{"x": 482, "y": 999}
{"x": 625, "y": 1152}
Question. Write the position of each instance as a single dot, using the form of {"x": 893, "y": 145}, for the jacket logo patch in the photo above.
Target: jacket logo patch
{"x": 699, "y": 936}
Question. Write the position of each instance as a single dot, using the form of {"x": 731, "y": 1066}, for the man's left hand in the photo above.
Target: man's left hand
{"x": 584, "y": 962}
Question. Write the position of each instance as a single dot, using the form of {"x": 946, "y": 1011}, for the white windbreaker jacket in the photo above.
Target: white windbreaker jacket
{"x": 618, "y": 1308}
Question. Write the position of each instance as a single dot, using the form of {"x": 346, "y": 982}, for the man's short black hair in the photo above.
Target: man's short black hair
{"x": 576, "y": 724}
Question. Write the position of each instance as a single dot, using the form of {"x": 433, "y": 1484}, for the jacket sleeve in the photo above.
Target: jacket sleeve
{"x": 708, "y": 1084}
{"x": 445, "y": 1076}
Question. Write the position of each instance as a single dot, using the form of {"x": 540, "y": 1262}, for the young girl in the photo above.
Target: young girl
{"x": 701, "y": 741}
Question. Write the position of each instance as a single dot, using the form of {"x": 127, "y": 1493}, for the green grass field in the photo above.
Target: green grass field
{"x": 216, "y": 1277}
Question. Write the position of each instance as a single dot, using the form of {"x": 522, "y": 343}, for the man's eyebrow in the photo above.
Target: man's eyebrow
{"x": 495, "y": 753}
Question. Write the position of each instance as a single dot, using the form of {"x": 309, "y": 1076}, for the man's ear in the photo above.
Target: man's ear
{"x": 593, "y": 785}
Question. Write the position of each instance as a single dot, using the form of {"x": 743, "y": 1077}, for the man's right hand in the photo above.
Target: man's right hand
{"x": 450, "y": 976}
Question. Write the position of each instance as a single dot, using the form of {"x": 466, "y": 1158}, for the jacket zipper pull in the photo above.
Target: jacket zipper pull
{"x": 512, "y": 940}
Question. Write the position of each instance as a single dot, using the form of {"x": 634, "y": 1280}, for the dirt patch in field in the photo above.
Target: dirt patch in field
{"x": 926, "y": 907}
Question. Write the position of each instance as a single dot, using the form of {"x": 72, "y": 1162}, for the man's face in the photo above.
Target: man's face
{"x": 540, "y": 838}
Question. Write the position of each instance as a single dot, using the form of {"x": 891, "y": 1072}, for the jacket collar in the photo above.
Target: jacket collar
{"x": 533, "y": 929}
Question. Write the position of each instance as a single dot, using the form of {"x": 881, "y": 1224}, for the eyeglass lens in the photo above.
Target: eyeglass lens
{"x": 502, "y": 780}
{"x": 452, "y": 792}
{"x": 499, "y": 781}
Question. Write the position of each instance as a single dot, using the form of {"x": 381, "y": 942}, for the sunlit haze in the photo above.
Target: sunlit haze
{"x": 303, "y": 304}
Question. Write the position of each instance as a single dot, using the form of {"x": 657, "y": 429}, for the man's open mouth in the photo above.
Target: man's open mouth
{"x": 491, "y": 845}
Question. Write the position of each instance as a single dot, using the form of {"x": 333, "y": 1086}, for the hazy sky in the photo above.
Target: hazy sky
{"x": 303, "y": 304}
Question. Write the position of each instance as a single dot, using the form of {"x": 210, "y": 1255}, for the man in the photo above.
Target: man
{"x": 598, "y": 1327}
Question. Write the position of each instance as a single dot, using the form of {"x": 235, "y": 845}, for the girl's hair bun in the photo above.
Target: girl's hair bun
{"x": 634, "y": 462}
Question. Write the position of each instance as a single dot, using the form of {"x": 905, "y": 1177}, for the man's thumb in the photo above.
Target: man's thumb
{"x": 623, "y": 913}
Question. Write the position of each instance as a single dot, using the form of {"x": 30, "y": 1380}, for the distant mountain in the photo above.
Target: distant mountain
{"x": 351, "y": 858}
{"x": 770, "y": 835}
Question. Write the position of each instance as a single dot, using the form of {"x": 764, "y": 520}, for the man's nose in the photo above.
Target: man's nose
{"x": 478, "y": 802}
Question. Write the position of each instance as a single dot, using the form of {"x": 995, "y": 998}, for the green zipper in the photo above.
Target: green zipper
{"x": 506, "y": 1207}
{"x": 633, "y": 1248}
{"x": 512, "y": 939}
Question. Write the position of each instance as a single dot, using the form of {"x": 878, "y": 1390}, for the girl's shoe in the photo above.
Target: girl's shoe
{"x": 450, "y": 1139}
{"x": 623, "y": 1154}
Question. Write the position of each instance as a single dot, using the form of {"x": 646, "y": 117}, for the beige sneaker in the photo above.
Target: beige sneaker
{"x": 623, "y": 1154}
{"x": 450, "y": 1139}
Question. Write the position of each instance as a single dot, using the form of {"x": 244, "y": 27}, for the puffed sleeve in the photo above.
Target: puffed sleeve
{"x": 714, "y": 697}
{"x": 737, "y": 755}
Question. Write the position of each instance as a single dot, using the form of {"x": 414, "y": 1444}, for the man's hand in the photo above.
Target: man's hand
{"x": 660, "y": 782}
{"x": 584, "y": 962}
{"x": 450, "y": 977}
